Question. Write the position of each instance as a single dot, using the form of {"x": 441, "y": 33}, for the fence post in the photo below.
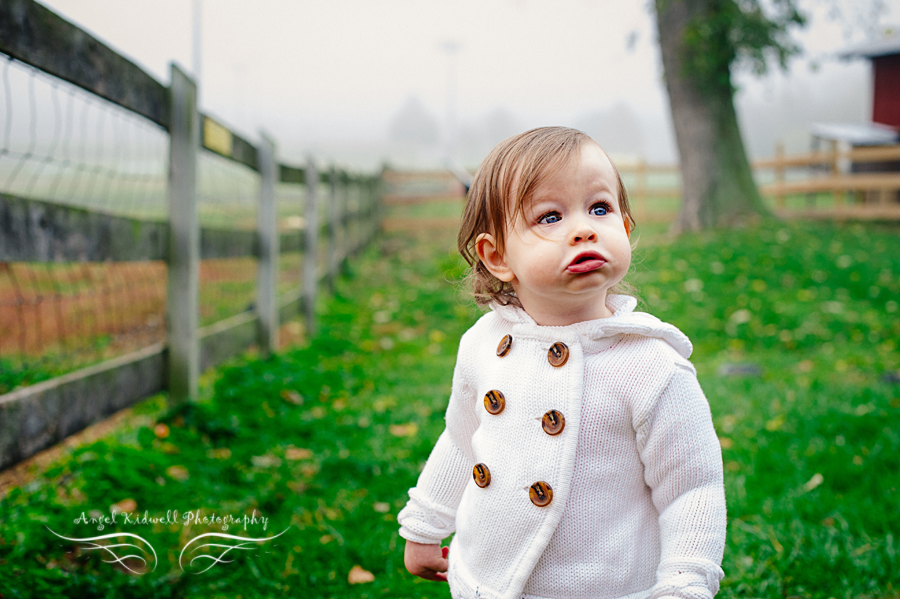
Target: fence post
{"x": 363, "y": 216}
{"x": 837, "y": 195}
{"x": 358, "y": 230}
{"x": 310, "y": 258}
{"x": 183, "y": 296}
{"x": 267, "y": 268}
{"x": 779, "y": 175}
{"x": 372, "y": 212}
{"x": 350, "y": 212}
{"x": 342, "y": 239}
{"x": 376, "y": 188}
{"x": 332, "y": 227}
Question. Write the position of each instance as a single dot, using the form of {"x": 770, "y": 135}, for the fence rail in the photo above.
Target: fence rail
{"x": 655, "y": 190}
{"x": 42, "y": 230}
{"x": 808, "y": 186}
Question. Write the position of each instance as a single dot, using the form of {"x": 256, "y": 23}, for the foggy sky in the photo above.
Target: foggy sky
{"x": 362, "y": 82}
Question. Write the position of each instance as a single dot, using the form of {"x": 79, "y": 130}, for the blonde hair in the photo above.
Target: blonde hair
{"x": 506, "y": 180}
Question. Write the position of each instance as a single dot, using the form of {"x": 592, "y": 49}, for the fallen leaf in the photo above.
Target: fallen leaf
{"x": 169, "y": 448}
{"x": 726, "y": 443}
{"x": 265, "y": 461}
{"x": 382, "y": 507}
{"x": 404, "y": 430}
{"x": 298, "y": 453}
{"x": 269, "y": 411}
{"x": 359, "y": 576}
{"x": 179, "y": 473}
{"x": 126, "y": 505}
{"x": 816, "y": 480}
{"x": 219, "y": 453}
{"x": 161, "y": 430}
{"x": 291, "y": 396}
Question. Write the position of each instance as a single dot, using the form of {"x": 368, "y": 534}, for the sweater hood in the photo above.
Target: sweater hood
{"x": 624, "y": 321}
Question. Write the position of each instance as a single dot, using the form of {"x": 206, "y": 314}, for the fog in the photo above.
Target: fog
{"x": 364, "y": 83}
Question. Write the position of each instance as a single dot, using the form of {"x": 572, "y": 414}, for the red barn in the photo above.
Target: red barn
{"x": 885, "y": 57}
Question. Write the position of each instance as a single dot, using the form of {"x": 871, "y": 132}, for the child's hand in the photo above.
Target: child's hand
{"x": 426, "y": 561}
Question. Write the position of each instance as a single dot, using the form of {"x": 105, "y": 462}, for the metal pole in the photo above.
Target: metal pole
{"x": 197, "y": 53}
{"x": 267, "y": 269}
{"x": 183, "y": 298}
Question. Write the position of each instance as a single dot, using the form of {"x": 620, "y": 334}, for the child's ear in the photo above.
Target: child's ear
{"x": 490, "y": 256}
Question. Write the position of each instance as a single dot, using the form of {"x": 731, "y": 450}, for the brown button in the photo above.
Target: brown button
{"x": 494, "y": 402}
{"x": 553, "y": 422}
{"x": 558, "y": 354}
{"x": 505, "y": 345}
{"x": 482, "y": 475}
{"x": 540, "y": 494}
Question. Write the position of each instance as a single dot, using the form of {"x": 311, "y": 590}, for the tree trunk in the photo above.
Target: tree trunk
{"x": 717, "y": 181}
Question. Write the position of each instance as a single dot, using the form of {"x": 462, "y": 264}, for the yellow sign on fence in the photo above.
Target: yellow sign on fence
{"x": 216, "y": 137}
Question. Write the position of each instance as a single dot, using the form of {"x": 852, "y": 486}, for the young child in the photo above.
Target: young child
{"x": 579, "y": 458}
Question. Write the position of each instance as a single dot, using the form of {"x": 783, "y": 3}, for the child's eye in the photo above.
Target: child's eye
{"x": 550, "y": 218}
{"x": 601, "y": 209}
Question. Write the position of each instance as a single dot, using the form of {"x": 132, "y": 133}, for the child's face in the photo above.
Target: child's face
{"x": 569, "y": 245}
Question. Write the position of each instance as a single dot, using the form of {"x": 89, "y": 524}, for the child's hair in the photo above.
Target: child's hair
{"x": 504, "y": 182}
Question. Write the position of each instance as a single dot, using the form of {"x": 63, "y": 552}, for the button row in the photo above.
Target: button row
{"x": 558, "y": 354}
{"x": 553, "y": 421}
{"x": 540, "y": 493}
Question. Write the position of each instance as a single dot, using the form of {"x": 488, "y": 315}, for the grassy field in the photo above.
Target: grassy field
{"x": 795, "y": 330}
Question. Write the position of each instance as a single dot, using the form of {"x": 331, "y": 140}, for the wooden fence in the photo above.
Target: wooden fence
{"x": 37, "y": 416}
{"x": 813, "y": 185}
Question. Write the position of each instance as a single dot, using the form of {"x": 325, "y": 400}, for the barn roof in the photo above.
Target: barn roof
{"x": 856, "y": 134}
{"x": 872, "y": 49}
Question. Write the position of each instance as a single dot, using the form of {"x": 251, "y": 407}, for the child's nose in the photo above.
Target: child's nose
{"x": 582, "y": 232}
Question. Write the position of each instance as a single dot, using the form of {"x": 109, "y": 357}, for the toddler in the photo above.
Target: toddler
{"x": 579, "y": 458}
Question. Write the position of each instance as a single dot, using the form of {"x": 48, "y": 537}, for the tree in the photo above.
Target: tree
{"x": 701, "y": 41}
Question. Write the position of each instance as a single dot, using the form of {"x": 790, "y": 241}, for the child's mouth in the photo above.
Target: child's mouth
{"x": 586, "y": 263}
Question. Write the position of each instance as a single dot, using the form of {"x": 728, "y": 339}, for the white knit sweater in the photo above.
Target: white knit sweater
{"x": 638, "y": 505}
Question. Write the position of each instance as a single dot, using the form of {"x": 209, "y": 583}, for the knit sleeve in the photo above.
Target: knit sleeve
{"x": 430, "y": 514}
{"x": 683, "y": 468}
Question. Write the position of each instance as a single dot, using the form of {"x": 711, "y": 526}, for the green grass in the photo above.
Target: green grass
{"x": 810, "y": 443}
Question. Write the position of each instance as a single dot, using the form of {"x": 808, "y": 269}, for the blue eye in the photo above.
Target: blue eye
{"x": 599, "y": 210}
{"x": 550, "y": 218}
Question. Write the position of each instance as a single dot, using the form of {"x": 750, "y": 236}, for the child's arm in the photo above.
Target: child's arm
{"x": 683, "y": 467}
{"x": 430, "y": 515}
{"x": 426, "y": 561}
